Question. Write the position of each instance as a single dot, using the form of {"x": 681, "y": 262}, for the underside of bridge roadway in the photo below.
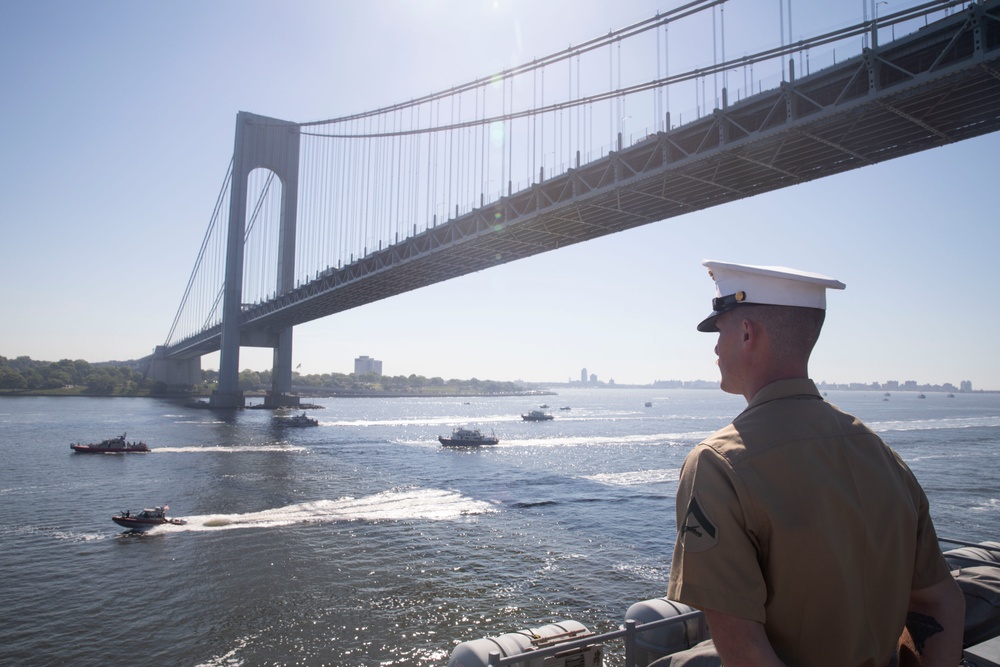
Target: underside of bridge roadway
{"x": 938, "y": 86}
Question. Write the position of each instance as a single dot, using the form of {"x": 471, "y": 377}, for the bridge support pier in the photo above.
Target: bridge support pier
{"x": 227, "y": 399}
{"x": 281, "y": 374}
{"x": 174, "y": 371}
{"x": 273, "y": 401}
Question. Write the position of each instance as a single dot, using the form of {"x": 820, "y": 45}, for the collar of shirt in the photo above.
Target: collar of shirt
{"x": 784, "y": 389}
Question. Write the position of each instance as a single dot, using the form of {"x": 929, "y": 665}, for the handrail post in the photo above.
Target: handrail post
{"x": 494, "y": 658}
{"x": 630, "y": 642}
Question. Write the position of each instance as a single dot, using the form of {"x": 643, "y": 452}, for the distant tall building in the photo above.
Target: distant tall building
{"x": 365, "y": 365}
{"x": 583, "y": 376}
{"x": 593, "y": 378}
{"x": 966, "y": 385}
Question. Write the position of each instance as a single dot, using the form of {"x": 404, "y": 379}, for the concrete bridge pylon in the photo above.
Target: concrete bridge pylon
{"x": 271, "y": 144}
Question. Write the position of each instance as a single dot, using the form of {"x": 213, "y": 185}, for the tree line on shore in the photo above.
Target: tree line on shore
{"x": 349, "y": 383}
{"x": 24, "y": 374}
{"x": 73, "y": 377}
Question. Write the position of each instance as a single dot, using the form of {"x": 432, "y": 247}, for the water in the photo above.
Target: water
{"x": 363, "y": 541}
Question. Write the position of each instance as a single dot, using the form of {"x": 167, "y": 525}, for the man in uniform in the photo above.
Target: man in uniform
{"x": 804, "y": 538}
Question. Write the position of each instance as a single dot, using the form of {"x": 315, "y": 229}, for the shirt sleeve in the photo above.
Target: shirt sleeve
{"x": 715, "y": 564}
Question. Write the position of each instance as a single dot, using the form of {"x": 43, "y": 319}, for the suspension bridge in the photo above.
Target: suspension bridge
{"x": 315, "y": 218}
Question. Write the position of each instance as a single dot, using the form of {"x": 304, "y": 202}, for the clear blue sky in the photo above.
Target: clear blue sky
{"x": 116, "y": 127}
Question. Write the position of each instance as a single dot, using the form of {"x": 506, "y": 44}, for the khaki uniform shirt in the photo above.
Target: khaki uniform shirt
{"x": 796, "y": 515}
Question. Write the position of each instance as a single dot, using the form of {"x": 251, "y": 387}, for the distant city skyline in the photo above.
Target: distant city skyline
{"x": 364, "y": 364}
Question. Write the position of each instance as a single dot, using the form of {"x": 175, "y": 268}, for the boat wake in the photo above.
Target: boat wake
{"x": 686, "y": 439}
{"x": 288, "y": 449}
{"x": 653, "y": 439}
{"x": 395, "y": 505}
{"x": 935, "y": 424}
{"x": 443, "y": 420}
{"x": 636, "y": 477}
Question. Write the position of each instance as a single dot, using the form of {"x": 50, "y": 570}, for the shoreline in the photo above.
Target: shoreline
{"x": 249, "y": 396}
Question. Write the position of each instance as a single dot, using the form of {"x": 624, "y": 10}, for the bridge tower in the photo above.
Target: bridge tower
{"x": 271, "y": 144}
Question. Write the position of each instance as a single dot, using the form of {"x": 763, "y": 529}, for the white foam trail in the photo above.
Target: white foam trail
{"x": 228, "y": 450}
{"x": 935, "y": 424}
{"x": 426, "y": 504}
{"x": 685, "y": 439}
{"x": 586, "y": 441}
{"x": 229, "y": 659}
{"x": 430, "y": 421}
{"x": 991, "y": 505}
{"x": 636, "y": 477}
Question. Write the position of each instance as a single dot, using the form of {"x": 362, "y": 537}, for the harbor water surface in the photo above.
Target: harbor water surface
{"x": 363, "y": 541}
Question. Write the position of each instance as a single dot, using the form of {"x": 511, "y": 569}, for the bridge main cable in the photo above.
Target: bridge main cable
{"x": 615, "y": 35}
{"x": 859, "y": 29}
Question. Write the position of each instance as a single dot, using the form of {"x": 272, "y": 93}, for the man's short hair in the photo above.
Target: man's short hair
{"x": 793, "y": 330}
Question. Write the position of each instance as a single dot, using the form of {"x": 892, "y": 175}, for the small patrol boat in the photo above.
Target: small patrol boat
{"x": 468, "y": 437}
{"x": 297, "y": 420}
{"x": 146, "y": 519}
{"x": 111, "y": 446}
{"x": 537, "y": 416}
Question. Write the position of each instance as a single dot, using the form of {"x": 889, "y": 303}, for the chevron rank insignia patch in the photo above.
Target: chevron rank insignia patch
{"x": 698, "y": 532}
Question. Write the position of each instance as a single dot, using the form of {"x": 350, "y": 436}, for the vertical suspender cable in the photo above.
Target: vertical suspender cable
{"x": 581, "y": 111}
{"x": 503, "y": 145}
{"x": 460, "y": 157}
{"x": 487, "y": 147}
{"x": 611, "y": 86}
{"x": 722, "y": 23}
{"x": 430, "y": 173}
{"x": 416, "y": 173}
{"x": 533, "y": 167}
{"x": 341, "y": 150}
{"x": 368, "y": 194}
{"x": 399, "y": 193}
{"x": 543, "y": 147}
{"x": 385, "y": 185}
{"x": 379, "y": 199}
{"x": 781, "y": 29}
{"x": 375, "y": 195}
{"x": 509, "y": 140}
{"x": 353, "y": 196}
{"x": 715, "y": 63}
{"x": 790, "y": 38}
{"x": 328, "y": 220}
{"x": 307, "y": 194}
{"x": 451, "y": 159}
{"x": 484, "y": 154}
{"x": 569, "y": 116}
{"x": 666, "y": 65}
{"x": 619, "y": 97}
{"x": 658, "y": 107}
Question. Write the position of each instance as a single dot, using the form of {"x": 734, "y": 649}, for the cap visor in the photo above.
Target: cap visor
{"x": 707, "y": 325}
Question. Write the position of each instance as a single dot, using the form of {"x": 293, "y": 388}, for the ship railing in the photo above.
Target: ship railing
{"x": 629, "y": 633}
{"x": 986, "y": 553}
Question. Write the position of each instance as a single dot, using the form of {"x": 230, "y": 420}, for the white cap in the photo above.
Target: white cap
{"x": 737, "y": 284}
